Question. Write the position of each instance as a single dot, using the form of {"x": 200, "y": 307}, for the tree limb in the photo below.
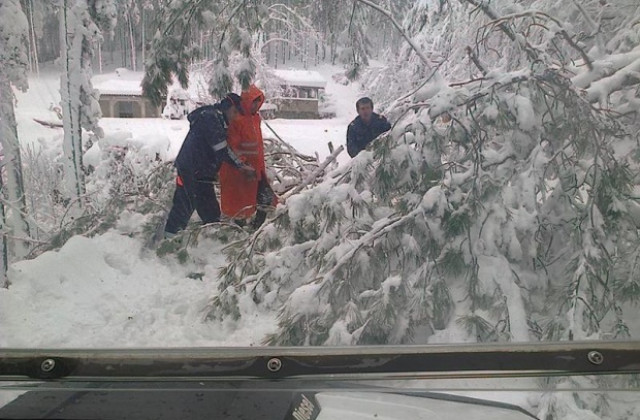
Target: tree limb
{"x": 313, "y": 175}
{"x": 400, "y": 29}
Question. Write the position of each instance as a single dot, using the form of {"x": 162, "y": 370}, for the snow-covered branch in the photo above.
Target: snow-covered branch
{"x": 401, "y": 30}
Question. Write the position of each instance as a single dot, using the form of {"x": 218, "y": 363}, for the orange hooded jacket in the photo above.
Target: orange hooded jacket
{"x": 238, "y": 194}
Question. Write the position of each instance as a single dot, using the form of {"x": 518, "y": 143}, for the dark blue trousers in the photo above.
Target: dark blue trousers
{"x": 192, "y": 195}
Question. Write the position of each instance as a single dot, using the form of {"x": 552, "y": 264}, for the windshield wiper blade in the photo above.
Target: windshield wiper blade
{"x": 477, "y": 360}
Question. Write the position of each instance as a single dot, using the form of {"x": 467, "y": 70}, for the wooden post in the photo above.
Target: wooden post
{"x": 143, "y": 108}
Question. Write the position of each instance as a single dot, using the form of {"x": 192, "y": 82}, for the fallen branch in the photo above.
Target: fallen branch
{"x": 313, "y": 175}
{"x": 48, "y": 124}
{"x": 294, "y": 153}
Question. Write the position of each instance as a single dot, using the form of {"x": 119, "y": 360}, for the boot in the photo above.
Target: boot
{"x": 258, "y": 221}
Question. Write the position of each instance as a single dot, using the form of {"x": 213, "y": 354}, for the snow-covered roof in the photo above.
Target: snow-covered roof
{"x": 301, "y": 78}
{"x": 121, "y": 82}
{"x": 125, "y": 82}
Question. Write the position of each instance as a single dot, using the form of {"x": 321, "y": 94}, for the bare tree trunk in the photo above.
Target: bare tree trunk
{"x": 34, "y": 39}
{"x": 30, "y": 54}
{"x": 4, "y": 254}
{"x": 100, "y": 56}
{"x": 144, "y": 47}
{"x": 275, "y": 49}
{"x": 333, "y": 49}
{"x": 123, "y": 48}
{"x": 305, "y": 52}
{"x": 133, "y": 43}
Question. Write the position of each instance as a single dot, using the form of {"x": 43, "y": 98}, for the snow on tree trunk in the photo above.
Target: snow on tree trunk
{"x": 79, "y": 34}
{"x": 4, "y": 254}
{"x": 71, "y": 39}
{"x": 13, "y": 64}
{"x": 13, "y": 188}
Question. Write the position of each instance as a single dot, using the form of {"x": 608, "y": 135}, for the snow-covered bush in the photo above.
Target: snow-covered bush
{"x": 123, "y": 173}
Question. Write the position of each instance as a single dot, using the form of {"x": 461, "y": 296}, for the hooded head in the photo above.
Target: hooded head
{"x": 252, "y": 100}
{"x": 231, "y": 106}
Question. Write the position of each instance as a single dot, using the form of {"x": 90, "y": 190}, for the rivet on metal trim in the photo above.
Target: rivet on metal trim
{"x": 595, "y": 357}
{"x": 47, "y": 365}
{"x": 274, "y": 364}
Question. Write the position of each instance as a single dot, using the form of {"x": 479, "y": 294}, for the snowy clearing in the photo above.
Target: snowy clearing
{"x": 111, "y": 293}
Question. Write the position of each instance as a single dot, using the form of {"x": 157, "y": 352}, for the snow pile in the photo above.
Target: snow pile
{"x": 111, "y": 293}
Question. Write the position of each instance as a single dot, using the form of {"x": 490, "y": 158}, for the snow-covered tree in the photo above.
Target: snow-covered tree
{"x": 81, "y": 23}
{"x": 236, "y": 37}
{"x": 243, "y": 31}
{"x": 13, "y": 67}
{"x": 502, "y": 206}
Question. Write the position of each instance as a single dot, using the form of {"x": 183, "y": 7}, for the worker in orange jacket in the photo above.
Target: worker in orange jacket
{"x": 240, "y": 196}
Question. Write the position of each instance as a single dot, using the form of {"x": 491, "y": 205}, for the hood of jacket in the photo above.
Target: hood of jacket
{"x": 197, "y": 113}
{"x": 248, "y": 96}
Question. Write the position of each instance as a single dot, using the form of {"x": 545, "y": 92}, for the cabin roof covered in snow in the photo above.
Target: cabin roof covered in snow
{"x": 121, "y": 82}
{"x": 302, "y": 78}
{"x": 124, "y": 82}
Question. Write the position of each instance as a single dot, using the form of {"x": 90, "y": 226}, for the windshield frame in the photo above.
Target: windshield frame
{"x": 425, "y": 361}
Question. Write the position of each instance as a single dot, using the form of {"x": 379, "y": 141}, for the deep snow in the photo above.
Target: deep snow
{"x": 107, "y": 292}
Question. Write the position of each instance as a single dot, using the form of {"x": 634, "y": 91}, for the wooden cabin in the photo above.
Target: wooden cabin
{"x": 301, "y": 91}
{"x": 121, "y": 96}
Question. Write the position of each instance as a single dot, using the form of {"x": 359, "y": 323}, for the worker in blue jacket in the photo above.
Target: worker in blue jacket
{"x": 365, "y": 128}
{"x": 201, "y": 155}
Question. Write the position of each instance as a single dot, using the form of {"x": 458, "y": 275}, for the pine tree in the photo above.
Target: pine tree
{"x": 13, "y": 67}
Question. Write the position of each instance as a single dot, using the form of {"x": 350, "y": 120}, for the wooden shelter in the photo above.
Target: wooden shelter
{"x": 121, "y": 96}
{"x": 301, "y": 92}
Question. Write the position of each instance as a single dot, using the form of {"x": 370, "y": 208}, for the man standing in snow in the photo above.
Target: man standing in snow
{"x": 202, "y": 153}
{"x": 365, "y": 128}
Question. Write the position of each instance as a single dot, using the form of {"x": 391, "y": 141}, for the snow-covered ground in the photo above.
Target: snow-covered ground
{"x": 106, "y": 291}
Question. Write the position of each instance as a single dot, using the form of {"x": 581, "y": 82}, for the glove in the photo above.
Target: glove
{"x": 248, "y": 171}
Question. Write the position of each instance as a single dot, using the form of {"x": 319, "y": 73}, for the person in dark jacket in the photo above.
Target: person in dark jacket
{"x": 201, "y": 155}
{"x": 365, "y": 128}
